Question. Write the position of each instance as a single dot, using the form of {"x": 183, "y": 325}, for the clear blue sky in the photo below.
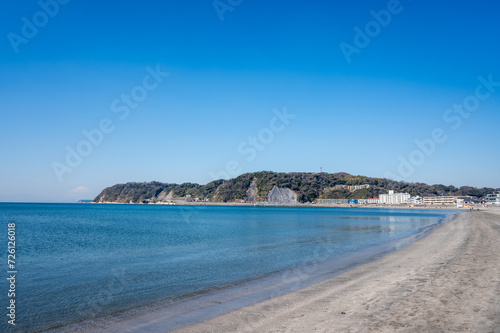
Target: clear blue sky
{"x": 225, "y": 79}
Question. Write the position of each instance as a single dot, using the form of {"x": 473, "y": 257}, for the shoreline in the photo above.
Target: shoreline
{"x": 195, "y": 309}
{"x": 446, "y": 281}
{"x": 449, "y": 280}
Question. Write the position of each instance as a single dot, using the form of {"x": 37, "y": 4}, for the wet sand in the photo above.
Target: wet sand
{"x": 448, "y": 281}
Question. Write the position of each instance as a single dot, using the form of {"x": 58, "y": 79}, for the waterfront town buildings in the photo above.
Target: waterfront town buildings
{"x": 370, "y": 201}
{"x": 493, "y": 199}
{"x": 416, "y": 200}
{"x": 333, "y": 201}
{"x": 444, "y": 200}
{"x": 394, "y": 198}
{"x": 440, "y": 200}
{"x": 351, "y": 188}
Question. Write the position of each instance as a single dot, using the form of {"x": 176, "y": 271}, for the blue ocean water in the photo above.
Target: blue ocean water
{"x": 78, "y": 262}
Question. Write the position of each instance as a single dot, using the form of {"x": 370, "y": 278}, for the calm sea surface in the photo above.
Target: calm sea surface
{"x": 78, "y": 262}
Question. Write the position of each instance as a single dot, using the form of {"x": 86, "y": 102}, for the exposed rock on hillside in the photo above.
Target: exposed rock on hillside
{"x": 252, "y": 193}
{"x": 281, "y": 196}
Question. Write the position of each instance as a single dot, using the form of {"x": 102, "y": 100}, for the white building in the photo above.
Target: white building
{"x": 493, "y": 199}
{"x": 416, "y": 200}
{"x": 333, "y": 201}
{"x": 370, "y": 201}
{"x": 440, "y": 200}
{"x": 394, "y": 198}
{"x": 351, "y": 188}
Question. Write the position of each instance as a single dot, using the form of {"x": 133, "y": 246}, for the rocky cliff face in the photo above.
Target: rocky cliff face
{"x": 252, "y": 193}
{"x": 281, "y": 196}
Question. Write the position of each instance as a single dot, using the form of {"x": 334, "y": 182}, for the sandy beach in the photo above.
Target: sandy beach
{"x": 448, "y": 281}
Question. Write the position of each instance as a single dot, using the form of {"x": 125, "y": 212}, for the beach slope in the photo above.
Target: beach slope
{"x": 448, "y": 281}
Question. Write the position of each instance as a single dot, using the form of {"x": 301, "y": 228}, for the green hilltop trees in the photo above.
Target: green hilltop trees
{"x": 307, "y": 186}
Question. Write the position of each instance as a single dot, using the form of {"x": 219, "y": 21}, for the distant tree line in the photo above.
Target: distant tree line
{"x": 307, "y": 186}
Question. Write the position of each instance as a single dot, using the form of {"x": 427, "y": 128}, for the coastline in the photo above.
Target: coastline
{"x": 298, "y": 205}
{"x": 184, "y": 312}
{"x": 446, "y": 281}
{"x": 137, "y": 320}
